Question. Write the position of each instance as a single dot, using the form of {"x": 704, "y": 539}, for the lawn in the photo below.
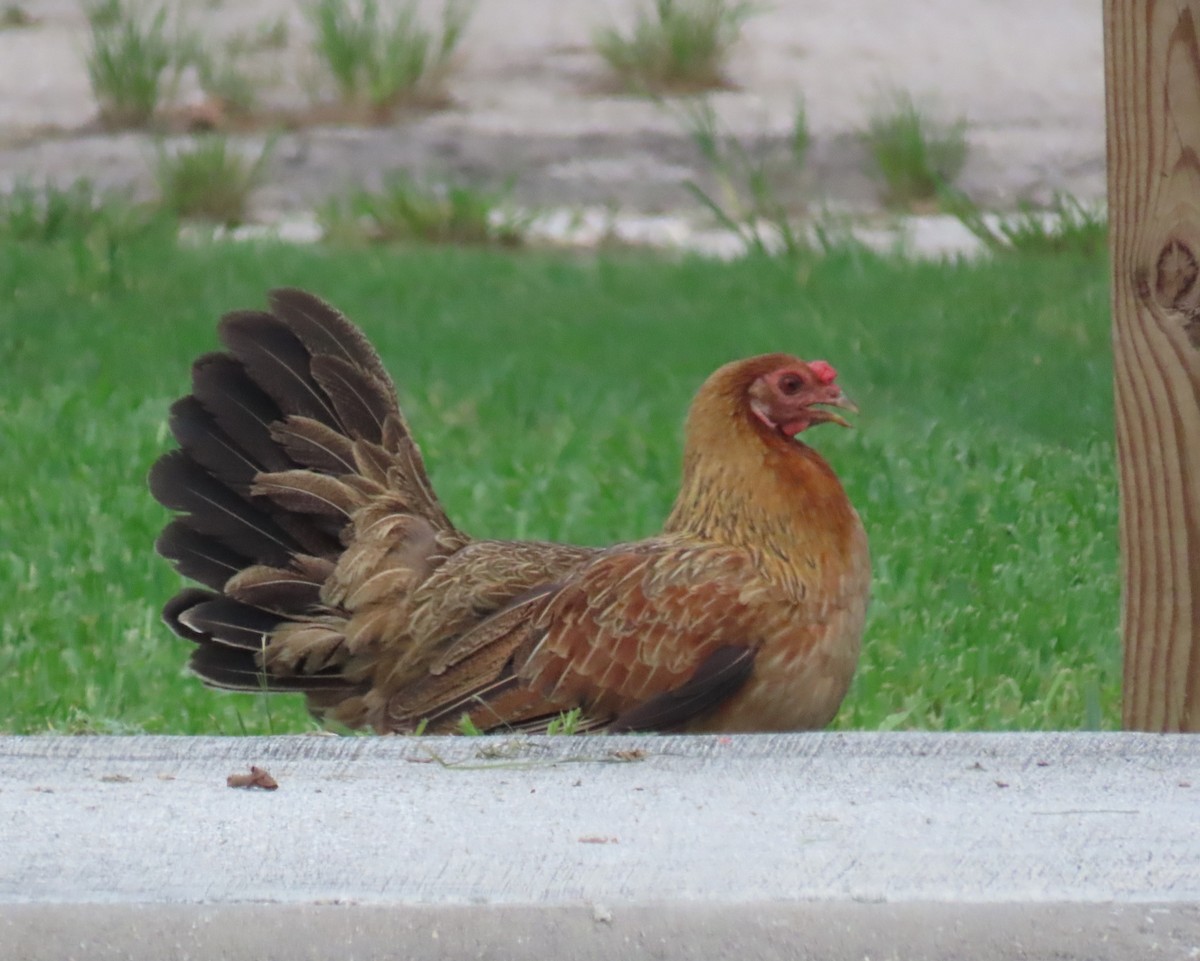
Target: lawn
{"x": 548, "y": 392}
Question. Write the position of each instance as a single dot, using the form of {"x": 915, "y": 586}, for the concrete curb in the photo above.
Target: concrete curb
{"x": 759, "y": 932}
{"x": 817, "y": 845}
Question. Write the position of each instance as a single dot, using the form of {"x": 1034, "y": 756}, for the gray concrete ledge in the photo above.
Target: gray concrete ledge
{"x": 723, "y": 932}
{"x": 818, "y": 845}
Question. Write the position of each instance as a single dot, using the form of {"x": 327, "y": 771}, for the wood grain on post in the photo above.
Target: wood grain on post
{"x": 1152, "y": 59}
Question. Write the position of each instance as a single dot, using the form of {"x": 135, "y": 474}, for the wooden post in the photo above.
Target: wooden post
{"x": 1152, "y": 60}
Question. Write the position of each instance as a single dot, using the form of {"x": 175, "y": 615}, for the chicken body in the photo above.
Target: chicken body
{"x": 331, "y": 568}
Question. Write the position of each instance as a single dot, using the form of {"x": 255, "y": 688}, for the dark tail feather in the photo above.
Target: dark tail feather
{"x": 362, "y": 402}
{"x": 209, "y": 446}
{"x": 325, "y": 331}
{"x": 182, "y": 602}
{"x": 236, "y": 669}
{"x": 230, "y": 623}
{"x": 198, "y": 556}
{"x": 285, "y": 437}
{"x": 277, "y": 361}
{"x": 178, "y": 482}
{"x": 230, "y": 638}
{"x": 239, "y": 407}
{"x": 235, "y": 463}
{"x": 320, "y": 536}
{"x": 229, "y": 668}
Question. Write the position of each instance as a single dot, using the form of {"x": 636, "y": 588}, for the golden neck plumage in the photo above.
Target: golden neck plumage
{"x": 749, "y": 487}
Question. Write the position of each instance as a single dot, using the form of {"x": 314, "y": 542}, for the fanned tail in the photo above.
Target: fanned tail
{"x": 291, "y": 441}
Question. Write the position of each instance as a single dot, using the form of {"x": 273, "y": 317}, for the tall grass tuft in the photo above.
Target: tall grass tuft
{"x": 210, "y": 180}
{"x": 1065, "y": 226}
{"x": 14, "y": 16}
{"x": 744, "y": 198}
{"x": 675, "y": 46}
{"x": 408, "y": 210}
{"x": 223, "y": 79}
{"x": 379, "y": 63}
{"x": 132, "y": 62}
{"x": 915, "y": 155}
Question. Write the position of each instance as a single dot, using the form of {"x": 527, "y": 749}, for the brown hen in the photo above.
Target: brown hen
{"x": 331, "y": 568}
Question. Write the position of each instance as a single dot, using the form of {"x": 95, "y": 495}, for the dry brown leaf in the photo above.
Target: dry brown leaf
{"x": 632, "y": 754}
{"x": 256, "y": 778}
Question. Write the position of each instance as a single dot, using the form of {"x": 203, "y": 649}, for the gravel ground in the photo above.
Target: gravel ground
{"x": 529, "y": 102}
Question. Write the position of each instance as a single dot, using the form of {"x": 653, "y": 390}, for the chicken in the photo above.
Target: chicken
{"x": 330, "y": 567}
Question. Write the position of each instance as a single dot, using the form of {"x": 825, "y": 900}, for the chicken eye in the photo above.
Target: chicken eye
{"x": 790, "y": 384}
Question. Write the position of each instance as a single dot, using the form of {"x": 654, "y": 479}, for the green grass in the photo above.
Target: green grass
{"x": 744, "y": 195}
{"x": 1065, "y": 225}
{"x": 132, "y": 61}
{"x": 675, "y": 46}
{"x": 407, "y": 211}
{"x": 379, "y": 62}
{"x": 916, "y": 155}
{"x": 137, "y": 56}
{"x": 45, "y": 213}
{"x": 209, "y": 179}
{"x": 548, "y": 393}
{"x": 224, "y": 77}
{"x": 95, "y": 231}
{"x": 14, "y": 16}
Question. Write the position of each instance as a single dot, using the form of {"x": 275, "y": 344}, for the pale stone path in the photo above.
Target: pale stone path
{"x": 1028, "y": 75}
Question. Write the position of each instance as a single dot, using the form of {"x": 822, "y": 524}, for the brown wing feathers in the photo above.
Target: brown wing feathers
{"x": 716, "y": 678}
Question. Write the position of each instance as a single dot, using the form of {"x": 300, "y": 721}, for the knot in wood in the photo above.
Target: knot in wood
{"x": 1175, "y": 290}
{"x": 1175, "y": 276}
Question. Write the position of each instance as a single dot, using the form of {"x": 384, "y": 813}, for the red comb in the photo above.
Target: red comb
{"x": 825, "y": 372}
